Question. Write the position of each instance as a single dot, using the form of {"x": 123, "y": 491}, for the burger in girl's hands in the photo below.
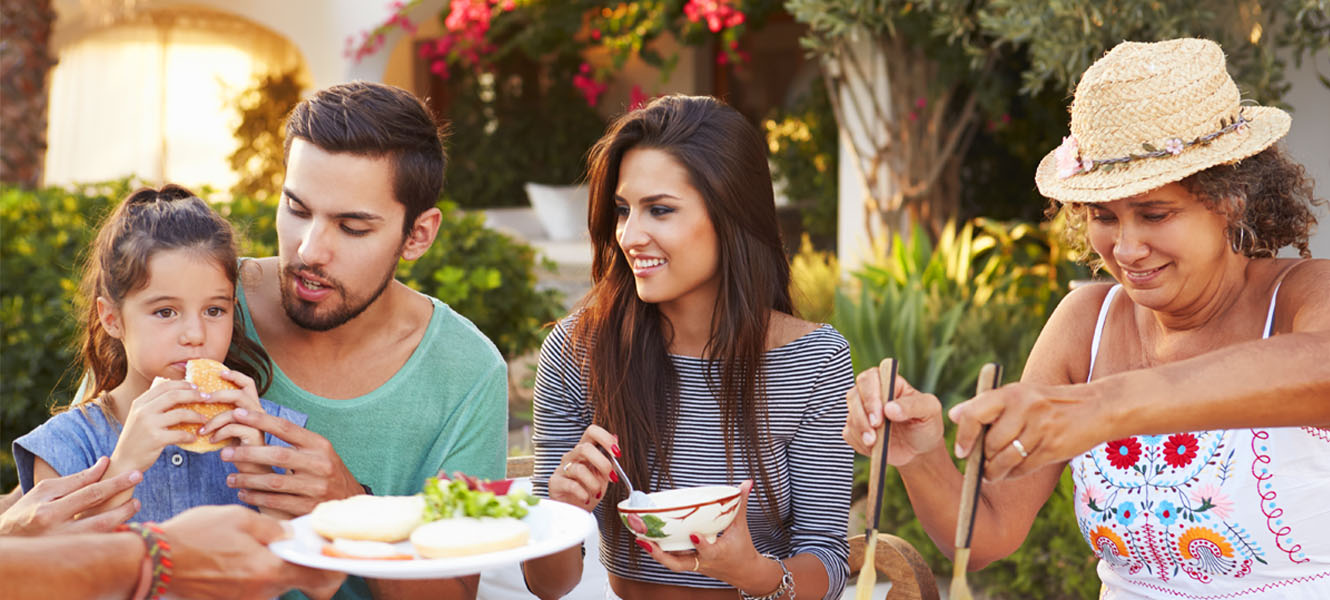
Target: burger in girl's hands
{"x": 206, "y": 374}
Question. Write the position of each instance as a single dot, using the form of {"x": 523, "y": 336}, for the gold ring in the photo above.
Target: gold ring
{"x": 697, "y": 564}
{"x": 566, "y": 466}
{"x": 1020, "y": 448}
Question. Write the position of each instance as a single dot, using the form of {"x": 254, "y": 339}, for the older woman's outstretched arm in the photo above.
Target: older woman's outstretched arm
{"x": 1280, "y": 381}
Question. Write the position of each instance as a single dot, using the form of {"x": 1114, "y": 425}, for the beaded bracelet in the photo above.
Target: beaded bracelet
{"x": 156, "y": 572}
{"x": 786, "y": 584}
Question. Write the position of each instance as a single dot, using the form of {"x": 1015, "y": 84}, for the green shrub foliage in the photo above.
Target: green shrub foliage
{"x": 980, "y": 294}
{"x": 482, "y": 274}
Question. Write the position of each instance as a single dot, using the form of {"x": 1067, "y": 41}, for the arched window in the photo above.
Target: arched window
{"x": 152, "y": 96}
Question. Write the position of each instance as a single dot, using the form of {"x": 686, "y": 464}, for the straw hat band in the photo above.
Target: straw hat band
{"x": 1149, "y": 114}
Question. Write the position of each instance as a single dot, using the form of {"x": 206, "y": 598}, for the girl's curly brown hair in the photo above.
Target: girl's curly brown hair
{"x": 1267, "y": 198}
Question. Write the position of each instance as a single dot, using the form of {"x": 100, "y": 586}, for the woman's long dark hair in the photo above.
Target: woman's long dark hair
{"x": 633, "y": 386}
{"x": 147, "y": 222}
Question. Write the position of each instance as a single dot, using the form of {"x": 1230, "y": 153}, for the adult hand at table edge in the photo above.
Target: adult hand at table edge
{"x": 916, "y": 418}
{"x": 51, "y": 506}
{"x": 221, "y": 552}
{"x": 314, "y": 471}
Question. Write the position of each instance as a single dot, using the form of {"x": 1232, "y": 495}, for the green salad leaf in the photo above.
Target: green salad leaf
{"x": 454, "y": 498}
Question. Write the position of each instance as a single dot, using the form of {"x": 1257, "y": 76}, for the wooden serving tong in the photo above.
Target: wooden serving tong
{"x": 990, "y": 377}
{"x": 911, "y": 578}
{"x": 877, "y": 475}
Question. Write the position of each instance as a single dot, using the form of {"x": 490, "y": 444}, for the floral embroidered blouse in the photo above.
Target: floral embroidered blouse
{"x": 1237, "y": 513}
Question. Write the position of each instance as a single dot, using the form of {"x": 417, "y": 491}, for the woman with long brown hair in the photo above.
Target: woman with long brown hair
{"x": 685, "y": 362}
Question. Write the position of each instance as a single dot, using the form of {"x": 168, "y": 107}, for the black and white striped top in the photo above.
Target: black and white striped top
{"x": 809, "y": 464}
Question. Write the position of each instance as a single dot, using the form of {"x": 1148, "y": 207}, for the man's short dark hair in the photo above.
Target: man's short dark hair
{"x": 376, "y": 120}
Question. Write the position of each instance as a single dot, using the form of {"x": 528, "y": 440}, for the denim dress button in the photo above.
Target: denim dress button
{"x": 177, "y": 459}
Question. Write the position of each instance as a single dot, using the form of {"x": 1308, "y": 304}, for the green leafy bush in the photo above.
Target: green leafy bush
{"x": 980, "y": 294}
{"x": 482, "y": 274}
{"x": 43, "y": 235}
{"x": 803, "y": 150}
{"x": 814, "y": 275}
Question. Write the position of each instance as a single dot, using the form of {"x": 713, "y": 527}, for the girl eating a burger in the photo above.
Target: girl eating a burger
{"x": 685, "y": 362}
{"x": 158, "y": 291}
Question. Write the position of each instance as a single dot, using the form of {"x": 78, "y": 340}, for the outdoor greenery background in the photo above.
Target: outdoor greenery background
{"x": 970, "y": 287}
{"x": 484, "y": 275}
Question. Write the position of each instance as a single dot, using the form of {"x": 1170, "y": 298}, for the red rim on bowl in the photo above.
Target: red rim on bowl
{"x": 660, "y": 509}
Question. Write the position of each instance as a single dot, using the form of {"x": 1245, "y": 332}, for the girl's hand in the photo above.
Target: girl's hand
{"x": 916, "y": 418}
{"x": 224, "y": 426}
{"x": 584, "y": 472}
{"x": 732, "y": 558}
{"x": 1054, "y": 423}
{"x": 145, "y": 433}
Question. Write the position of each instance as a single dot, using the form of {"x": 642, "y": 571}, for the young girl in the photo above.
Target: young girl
{"x": 686, "y": 362}
{"x": 159, "y": 289}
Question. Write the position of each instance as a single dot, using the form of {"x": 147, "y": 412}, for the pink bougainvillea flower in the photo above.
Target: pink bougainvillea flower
{"x": 920, "y": 103}
{"x": 586, "y": 83}
{"x": 1068, "y": 157}
{"x": 1124, "y": 453}
{"x": 718, "y": 14}
{"x": 507, "y": 5}
{"x": 1173, "y": 146}
{"x": 637, "y": 98}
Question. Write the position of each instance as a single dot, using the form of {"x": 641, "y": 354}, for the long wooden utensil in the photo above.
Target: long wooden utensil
{"x": 877, "y": 475}
{"x": 990, "y": 376}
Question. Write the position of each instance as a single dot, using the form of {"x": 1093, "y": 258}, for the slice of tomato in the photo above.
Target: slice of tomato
{"x": 329, "y": 550}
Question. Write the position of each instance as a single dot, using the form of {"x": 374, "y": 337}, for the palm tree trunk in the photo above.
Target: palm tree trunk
{"x": 25, "y": 61}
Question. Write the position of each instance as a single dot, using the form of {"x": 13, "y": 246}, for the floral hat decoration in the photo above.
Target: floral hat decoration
{"x": 1149, "y": 114}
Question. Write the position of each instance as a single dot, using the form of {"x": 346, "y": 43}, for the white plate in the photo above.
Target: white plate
{"x": 554, "y": 527}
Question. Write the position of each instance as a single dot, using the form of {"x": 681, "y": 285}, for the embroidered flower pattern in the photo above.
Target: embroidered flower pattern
{"x": 1209, "y": 499}
{"x": 1167, "y": 513}
{"x": 1173, "y": 146}
{"x": 1154, "y": 505}
{"x": 1127, "y": 513}
{"x": 1124, "y": 453}
{"x": 1180, "y": 449}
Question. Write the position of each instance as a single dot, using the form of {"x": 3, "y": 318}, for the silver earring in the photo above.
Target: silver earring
{"x": 1238, "y": 241}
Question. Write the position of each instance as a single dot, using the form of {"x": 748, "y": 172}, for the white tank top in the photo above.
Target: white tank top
{"x": 1236, "y": 513}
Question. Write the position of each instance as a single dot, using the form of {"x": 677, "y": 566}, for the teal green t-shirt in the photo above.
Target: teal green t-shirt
{"x": 445, "y": 409}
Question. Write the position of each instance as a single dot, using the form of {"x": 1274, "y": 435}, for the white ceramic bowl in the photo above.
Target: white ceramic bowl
{"x": 674, "y": 514}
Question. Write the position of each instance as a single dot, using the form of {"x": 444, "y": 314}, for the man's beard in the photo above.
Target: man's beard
{"x": 304, "y": 314}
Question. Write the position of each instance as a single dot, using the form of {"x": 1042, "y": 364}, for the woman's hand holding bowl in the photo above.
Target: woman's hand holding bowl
{"x": 731, "y": 558}
{"x": 585, "y": 472}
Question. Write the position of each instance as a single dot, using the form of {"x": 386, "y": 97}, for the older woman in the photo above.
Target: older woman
{"x": 1191, "y": 398}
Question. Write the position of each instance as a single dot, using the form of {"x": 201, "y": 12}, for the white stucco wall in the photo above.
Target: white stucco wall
{"x": 1309, "y": 139}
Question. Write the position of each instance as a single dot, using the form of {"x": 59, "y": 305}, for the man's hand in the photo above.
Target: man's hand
{"x": 314, "y": 471}
{"x": 221, "y": 552}
{"x": 54, "y": 506}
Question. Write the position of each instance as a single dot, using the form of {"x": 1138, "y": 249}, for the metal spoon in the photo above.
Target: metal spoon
{"x": 636, "y": 498}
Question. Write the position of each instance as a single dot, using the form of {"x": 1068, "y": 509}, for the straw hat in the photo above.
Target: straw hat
{"x": 1149, "y": 114}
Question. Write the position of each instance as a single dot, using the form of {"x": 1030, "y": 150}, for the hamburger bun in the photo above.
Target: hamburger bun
{"x": 368, "y": 518}
{"x": 206, "y": 374}
{"x": 464, "y": 536}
